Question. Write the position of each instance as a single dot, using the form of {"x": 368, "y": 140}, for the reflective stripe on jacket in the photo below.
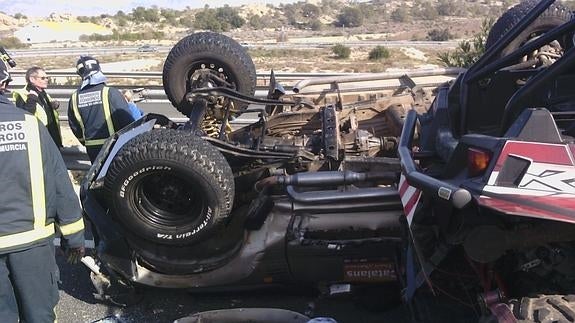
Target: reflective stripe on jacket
{"x": 86, "y": 139}
{"x": 37, "y": 198}
{"x": 40, "y": 112}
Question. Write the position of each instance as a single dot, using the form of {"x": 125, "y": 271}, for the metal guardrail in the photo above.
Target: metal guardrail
{"x": 158, "y": 75}
{"x": 156, "y": 93}
{"x": 76, "y": 158}
{"x": 290, "y": 81}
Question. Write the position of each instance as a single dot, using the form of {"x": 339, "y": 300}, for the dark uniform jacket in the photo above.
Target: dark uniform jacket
{"x": 96, "y": 112}
{"x": 37, "y": 196}
{"x": 42, "y": 106}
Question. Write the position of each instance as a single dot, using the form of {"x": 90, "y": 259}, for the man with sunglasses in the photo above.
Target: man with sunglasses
{"x": 34, "y": 99}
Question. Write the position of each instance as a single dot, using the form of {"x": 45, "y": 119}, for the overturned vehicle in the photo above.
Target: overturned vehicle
{"x": 463, "y": 194}
{"x": 303, "y": 195}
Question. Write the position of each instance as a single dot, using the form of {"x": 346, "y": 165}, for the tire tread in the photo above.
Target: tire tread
{"x": 555, "y": 13}
{"x": 186, "y": 150}
{"x": 219, "y": 46}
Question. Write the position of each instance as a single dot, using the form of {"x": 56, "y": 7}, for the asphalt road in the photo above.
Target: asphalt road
{"x": 164, "y": 305}
{"x": 78, "y": 305}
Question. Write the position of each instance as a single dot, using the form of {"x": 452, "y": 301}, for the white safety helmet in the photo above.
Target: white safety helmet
{"x": 86, "y": 66}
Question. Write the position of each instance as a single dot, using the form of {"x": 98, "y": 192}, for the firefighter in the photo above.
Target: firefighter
{"x": 96, "y": 111}
{"x": 37, "y": 201}
{"x": 34, "y": 99}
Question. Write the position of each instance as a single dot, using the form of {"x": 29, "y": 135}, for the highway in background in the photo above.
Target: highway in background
{"x": 164, "y": 49}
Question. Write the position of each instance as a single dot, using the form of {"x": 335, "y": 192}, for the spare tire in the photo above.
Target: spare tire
{"x": 216, "y": 53}
{"x": 170, "y": 187}
{"x": 557, "y": 14}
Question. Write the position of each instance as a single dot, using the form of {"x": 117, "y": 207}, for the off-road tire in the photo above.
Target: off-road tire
{"x": 170, "y": 187}
{"x": 209, "y": 49}
{"x": 554, "y": 16}
{"x": 545, "y": 308}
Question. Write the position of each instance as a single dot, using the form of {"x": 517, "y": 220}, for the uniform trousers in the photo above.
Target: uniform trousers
{"x": 29, "y": 285}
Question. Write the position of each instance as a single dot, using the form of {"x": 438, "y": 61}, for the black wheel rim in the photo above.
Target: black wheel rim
{"x": 166, "y": 199}
{"x": 216, "y": 68}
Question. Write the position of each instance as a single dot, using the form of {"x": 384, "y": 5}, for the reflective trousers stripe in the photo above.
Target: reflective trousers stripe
{"x": 107, "y": 116}
{"x": 36, "y": 167}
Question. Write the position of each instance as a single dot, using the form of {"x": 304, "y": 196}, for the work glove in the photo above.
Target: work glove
{"x": 55, "y": 105}
{"x": 32, "y": 100}
{"x": 73, "y": 255}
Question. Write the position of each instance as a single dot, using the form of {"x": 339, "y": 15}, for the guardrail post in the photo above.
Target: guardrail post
{"x": 75, "y": 158}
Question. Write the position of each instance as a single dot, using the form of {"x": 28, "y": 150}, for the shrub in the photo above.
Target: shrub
{"x": 256, "y": 22}
{"x": 12, "y": 43}
{"x": 400, "y": 15}
{"x": 341, "y": 51}
{"x": 316, "y": 25}
{"x": 310, "y": 10}
{"x": 379, "y": 52}
{"x": 439, "y": 35}
{"x": 124, "y": 36}
{"x": 468, "y": 52}
{"x": 350, "y": 17}
{"x": 218, "y": 20}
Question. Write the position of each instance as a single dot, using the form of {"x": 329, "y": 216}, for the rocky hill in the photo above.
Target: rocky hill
{"x": 383, "y": 19}
{"x": 7, "y": 22}
{"x": 299, "y": 15}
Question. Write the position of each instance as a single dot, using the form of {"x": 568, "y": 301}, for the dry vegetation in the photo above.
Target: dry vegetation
{"x": 69, "y": 61}
{"x": 295, "y": 22}
{"x": 462, "y": 19}
{"x": 283, "y": 60}
{"x": 323, "y": 60}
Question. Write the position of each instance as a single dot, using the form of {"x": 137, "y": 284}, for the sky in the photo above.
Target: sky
{"x": 43, "y": 8}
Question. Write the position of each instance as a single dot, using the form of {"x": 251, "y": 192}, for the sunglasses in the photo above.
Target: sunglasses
{"x": 42, "y": 77}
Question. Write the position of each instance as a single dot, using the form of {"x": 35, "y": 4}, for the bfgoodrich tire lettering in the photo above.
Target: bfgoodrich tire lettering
{"x": 170, "y": 187}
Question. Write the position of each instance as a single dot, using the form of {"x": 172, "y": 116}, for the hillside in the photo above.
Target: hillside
{"x": 7, "y": 22}
{"x": 329, "y": 21}
{"x": 385, "y": 19}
